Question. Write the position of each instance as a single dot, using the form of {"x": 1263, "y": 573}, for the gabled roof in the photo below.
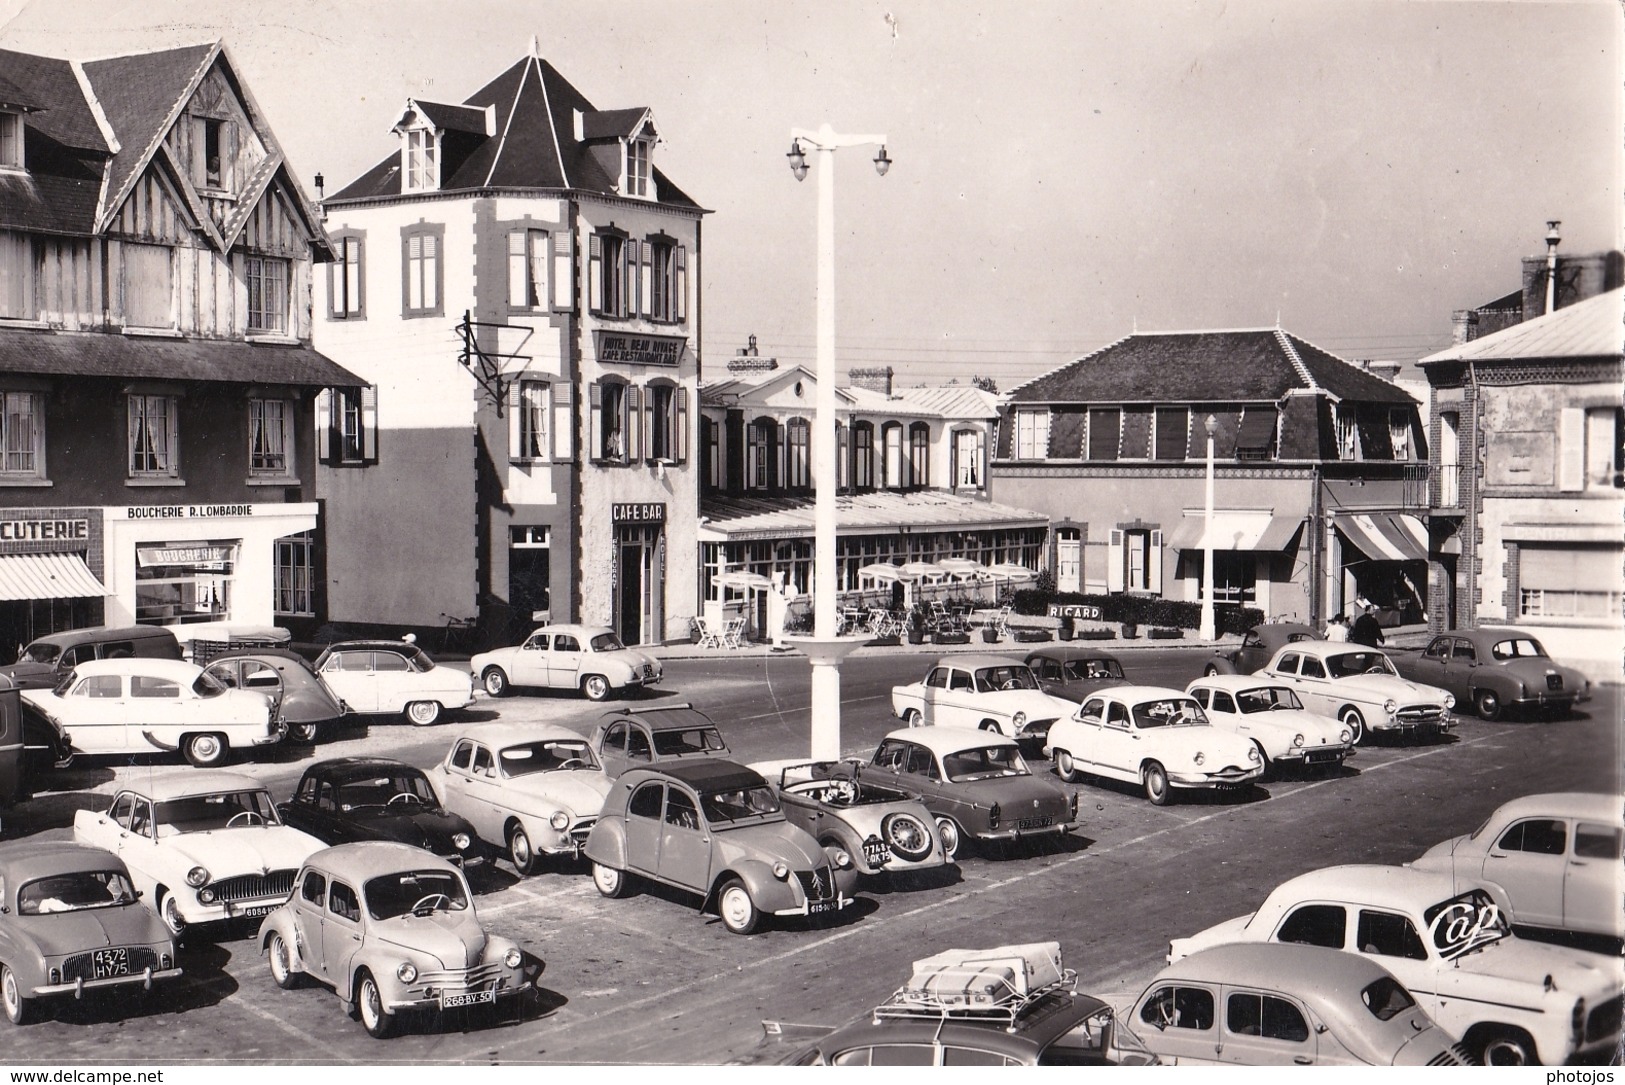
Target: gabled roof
{"x": 1587, "y": 329}
{"x": 13, "y": 97}
{"x": 1242, "y": 365}
{"x": 452, "y": 118}
{"x": 64, "y": 116}
{"x": 534, "y": 146}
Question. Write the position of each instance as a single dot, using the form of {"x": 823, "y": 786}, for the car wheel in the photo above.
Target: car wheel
{"x": 1355, "y": 722}
{"x": 423, "y": 713}
{"x": 1264, "y": 759}
{"x": 495, "y": 680}
{"x": 19, "y": 1008}
{"x": 1210, "y": 670}
{"x": 906, "y": 836}
{"x": 739, "y": 913}
{"x": 522, "y": 855}
{"x": 169, "y": 910}
{"x": 1487, "y": 705}
{"x": 370, "y": 1002}
{"x": 304, "y": 733}
{"x": 281, "y": 961}
{"x": 1156, "y": 783}
{"x": 989, "y": 725}
{"x": 596, "y": 687}
{"x": 611, "y": 883}
{"x": 1065, "y": 767}
{"x": 1507, "y": 1047}
{"x": 948, "y": 830}
{"x": 205, "y": 750}
{"x": 913, "y": 718}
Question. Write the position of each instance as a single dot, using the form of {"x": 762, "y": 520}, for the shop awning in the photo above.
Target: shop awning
{"x": 1236, "y": 531}
{"x": 1386, "y": 536}
{"x": 47, "y": 576}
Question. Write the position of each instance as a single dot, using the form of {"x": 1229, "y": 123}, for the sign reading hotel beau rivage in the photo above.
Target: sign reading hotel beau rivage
{"x": 661, "y": 350}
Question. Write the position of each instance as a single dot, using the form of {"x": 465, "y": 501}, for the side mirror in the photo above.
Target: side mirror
{"x": 139, "y": 893}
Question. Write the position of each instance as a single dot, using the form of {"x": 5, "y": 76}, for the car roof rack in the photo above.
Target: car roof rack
{"x": 996, "y": 985}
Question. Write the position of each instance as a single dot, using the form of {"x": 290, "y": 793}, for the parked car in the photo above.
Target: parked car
{"x": 1258, "y": 646}
{"x": 1270, "y": 714}
{"x": 652, "y": 734}
{"x": 155, "y": 705}
{"x": 48, "y": 660}
{"x": 1360, "y": 687}
{"x": 1285, "y": 1005}
{"x": 993, "y": 693}
{"x": 1155, "y": 737}
{"x": 1073, "y": 673}
{"x": 301, "y": 703}
{"x": 1002, "y": 1006}
{"x": 885, "y": 830}
{"x": 349, "y": 799}
{"x": 713, "y": 827}
{"x": 393, "y": 676}
{"x": 201, "y": 846}
{"x": 975, "y": 783}
{"x": 1556, "y": 855}
{"x": 70, "y": 922}
{"x": 1495, "y": 670}
{"x": 1446, "y": 938}
{"x": 590, "y": 658}
{"x": 392, "y": 930}
{"x": 531, "y": 789}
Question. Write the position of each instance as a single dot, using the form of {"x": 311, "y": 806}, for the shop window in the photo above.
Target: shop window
{"x": 668, "y": 288}
{"x": 1032, "y": 434}
{"x": 863, "y": 455}
{"x": 611, "y": 281}
{"x": 666, "y": 422}
{"x": 969, "y": 448}
{"x": 16, "y": 275}
{"x": 270, "y": 437}
{"x": 185, "y": 582}
{"x": 919, "y": 455}
{"x": 421, "y": 170}
{"x": 22, "y": 435}
{"x": 1235, "y": 574}
{"x": 422, "y": 279}
{"x": 345, "y": 276}
{"x": 154, "y": 439}
{"x": 347, "y": 426}
{"x": 295, "y": 575}
{"x": 149, "y": 286}
{"x": 528, "y": 406}
{"x": 11, "y": 141}
{"x": 798, "y": 454}
{"x": 527, "y": 269}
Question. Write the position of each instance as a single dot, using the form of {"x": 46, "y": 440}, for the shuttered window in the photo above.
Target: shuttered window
{"x": 1172, "y": 432}
{"x": 1105, "y": 426}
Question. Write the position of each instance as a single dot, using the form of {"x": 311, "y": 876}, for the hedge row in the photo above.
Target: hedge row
{"x": 1147, "y": 610}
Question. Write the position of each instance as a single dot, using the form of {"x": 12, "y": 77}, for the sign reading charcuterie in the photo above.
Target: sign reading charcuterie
{"x": 662, "y": 350}
{"x": 30, "y": 530}
{"x": 645, "y": 512}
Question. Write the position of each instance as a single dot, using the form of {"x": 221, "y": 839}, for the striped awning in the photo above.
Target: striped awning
{"x": 47, "y": 576}
{"x": 1385, "y": 536}
{"x": 1236, "y": 530}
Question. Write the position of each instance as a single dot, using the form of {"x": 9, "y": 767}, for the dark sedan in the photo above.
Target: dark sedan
{"x": 301, "y": 700}
{"x": 1494, "y": 668}
{"x": 1257, "y": 648}
{"x": 1074, "y": 673}
{"x": 352, "y": 799}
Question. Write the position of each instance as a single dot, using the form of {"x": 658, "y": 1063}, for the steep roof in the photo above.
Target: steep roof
{"x": 1205, "y": 367}
{"x": 1587, "y": 329}
{"x": 66, "y": 151}
{"x": 93, "y": 354}
{"x": 453, "y": 118}
{"x": 50, "y": 86}
{"x": 535, "y": 145}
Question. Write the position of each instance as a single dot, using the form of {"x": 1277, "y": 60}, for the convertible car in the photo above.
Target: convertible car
{"x": 882, "y": 828}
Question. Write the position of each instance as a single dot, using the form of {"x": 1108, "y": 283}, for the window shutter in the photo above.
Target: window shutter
{"x": 1153, "y": 572}
{"x": 514, "y": 406}
{"x": 563, "y": 272}
{"x": 172, "y": 408}
{"x": 228, "y": 156}
{"x": 630, "y": 254}
{"x": 1114, "y": 561}
{"x": 518, "y": 295}
{"x": 324, "y": 426}
{"x": 355, "y": 278}
{"x": 595, "y": 276}
{"x": 632, "y": 426}
{"x": 369, "y": 424}
{"x": 1041, "y": 439}
{"x": 564, "y": 428}
{"x": 1571, "y": 450}
{"x": 680, "y": 258}
{"x": 595, "y": 402}
{"x": 679, "y": 434}
{"x": 537, "y": 256}
{"x": 646, "y": 279}
{"x": 649, "y": 423}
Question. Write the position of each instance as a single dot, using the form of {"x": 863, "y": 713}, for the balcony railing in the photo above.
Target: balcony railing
{"x": 1447, "y": 489}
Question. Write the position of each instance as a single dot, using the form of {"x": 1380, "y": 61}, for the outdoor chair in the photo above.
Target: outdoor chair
{"x": 710, "y": 635}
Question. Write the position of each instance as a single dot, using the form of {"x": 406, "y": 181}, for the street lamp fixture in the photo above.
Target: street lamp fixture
{"x": 798, "y": 161}
{"x": 1208, "y": 630}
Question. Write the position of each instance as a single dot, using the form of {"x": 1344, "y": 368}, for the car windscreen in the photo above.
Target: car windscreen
{"x": 225, "y": 810}
{"x": 1169, "y": 712}
{"x": 1465, "y": 923}
{"x": 984, "y": 763}
{"x": 1012, "y": 677}
{"x": 414, "y": 892}
{"x": 1385, "y": 998}
{"x": 1341, "y": 666}
{"x": 1083, "y": 669}
{"x": 1266, "y": 699}
{"x": 405, "y": 791}
{"x": 39, "y": 652}
{"x": 738, "y": 803}
{"x": 689, "y": 740}
{"x": 207, "y": 685}
{"x": 546, "y": 756}
{"x": 605, "y": 642}
{"x": 1518, "y": 648}
{"x": 75, "y": 892}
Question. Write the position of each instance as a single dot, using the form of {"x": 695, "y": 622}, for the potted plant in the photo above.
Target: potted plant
{"x": 990, "y": 635}
{"x": 916, "y": 626}
{"x": 1131, "y": 630}
{"x": 1065, "y": 630}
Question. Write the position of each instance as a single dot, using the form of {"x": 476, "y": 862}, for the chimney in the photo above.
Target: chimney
{"x": 875, "y": 378}
{"x": 747, "y": 361}
{"x": 1388, "y": 371}
{"x": 1462, "y": 323}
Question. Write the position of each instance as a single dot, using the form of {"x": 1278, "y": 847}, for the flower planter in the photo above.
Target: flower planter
{"x": 888, "y": 641}
{"x": 1131, "y": 630}
{"x": 953, "y": 638}
{"x": 1030, "y": 636}
{"x": 990, "y": 636}
{"x": 1065, "y": 630}
{"x": 916, "y": 636}
{"x": 1165, "y": 634}
{"x": 1097, "y": 634}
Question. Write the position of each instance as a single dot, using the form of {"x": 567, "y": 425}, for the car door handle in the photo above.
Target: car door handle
{"x": 1302, "y": 1060}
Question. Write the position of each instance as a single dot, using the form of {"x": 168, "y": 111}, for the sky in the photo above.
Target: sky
{"x": 1065, "y": 173}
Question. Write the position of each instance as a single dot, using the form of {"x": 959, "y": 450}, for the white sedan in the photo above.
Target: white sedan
{"x": 985, "y": 692}
{"x": 137, "y": 705}
{"x": 1271, "y": 715}
{"x": 201, "y": 846}
{"x": 589, "y": 658}
{"x": 389, "y": 676}
{"x": 1360, "y": 686}
{"x": 1157, "y": 738}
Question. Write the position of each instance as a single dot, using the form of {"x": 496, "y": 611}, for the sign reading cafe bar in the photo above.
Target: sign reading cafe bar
{"x": 642, "y": 512}
{"x": 662, "y": 350}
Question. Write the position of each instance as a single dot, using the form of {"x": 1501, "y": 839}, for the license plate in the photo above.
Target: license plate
{"x": 876, "y": 854}
{"x": 472, "y": 998}
{"x": 818, "y": 907}
{"x": 1320, "y": 756}
{"x": 257, "y": 910}
{"x": 109, "y": 962}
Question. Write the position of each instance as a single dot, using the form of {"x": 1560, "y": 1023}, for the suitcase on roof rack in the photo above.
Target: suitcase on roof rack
{"x": 985, "y": 977}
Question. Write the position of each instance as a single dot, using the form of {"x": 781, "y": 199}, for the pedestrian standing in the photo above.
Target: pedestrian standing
{"x": 1366, "y": 629}
{"x": 1338, "y": 628}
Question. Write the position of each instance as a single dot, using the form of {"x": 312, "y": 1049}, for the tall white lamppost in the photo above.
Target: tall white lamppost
{"x": 1208, "y": 630}
{"x": 825, "y": 649}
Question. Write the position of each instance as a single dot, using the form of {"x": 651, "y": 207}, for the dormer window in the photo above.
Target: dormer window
{"x": 422, "y": 167}
{"x": 637, "y": 167}
{"x": 214, "y": 153}
{"x": 11, "y": 141}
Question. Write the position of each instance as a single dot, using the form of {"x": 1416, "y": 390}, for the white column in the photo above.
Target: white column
{"x": 1208, "y": 630}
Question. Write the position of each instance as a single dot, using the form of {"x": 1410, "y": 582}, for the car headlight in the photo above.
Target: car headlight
{"x": 460, "y": 841}
{"x": 1018, "y": 721}
{"x": 1200, "y": 758}
{"x": 1344, "y": 735}
{"x": 1390, "y": 706}
{"x": 993, "y": 813}
{"x": 1297, "y": 739}
{"x": 206, "y": 896}
{"x": 1252, "y": 754}
{"x": 407, "y": 972}
{"x": 560, "y": 820}
{"x": 1450, "y": 700}
{"x": 513, "y": 958}
{"x": 197, "y": 877}
{"x": 781, "y": 870}
{"x": 842, "y": 859}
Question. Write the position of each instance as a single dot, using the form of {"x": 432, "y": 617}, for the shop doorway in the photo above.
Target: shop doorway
{"x": 639, "y": 574}
{"x": 529, "y": 582}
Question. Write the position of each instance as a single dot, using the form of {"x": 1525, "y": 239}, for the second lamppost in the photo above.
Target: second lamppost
{"x": 1207, "y": 631}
